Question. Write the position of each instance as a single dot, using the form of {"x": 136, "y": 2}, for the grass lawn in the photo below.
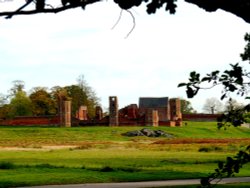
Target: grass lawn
{"x": 37, "y": 156}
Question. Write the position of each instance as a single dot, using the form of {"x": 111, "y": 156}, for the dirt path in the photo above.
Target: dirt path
{"x": 144, "y": 184}
{"x": 42, "y": 148}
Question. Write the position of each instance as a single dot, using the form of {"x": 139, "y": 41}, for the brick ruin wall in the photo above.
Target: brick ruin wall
{"x": 200, "y": 117}
{"x": 64, "y": 118}
{"x": 175, "y": 109}
{"x": 128, "y": 116}
{"x": 32, "y": 120}
{"x": 55, "y": 120}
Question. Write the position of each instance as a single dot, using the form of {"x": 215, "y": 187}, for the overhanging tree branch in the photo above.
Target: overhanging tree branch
{"x": 240, "y": 8}
{"x": 235, "y": 79}
{"x": 83, "y": 4}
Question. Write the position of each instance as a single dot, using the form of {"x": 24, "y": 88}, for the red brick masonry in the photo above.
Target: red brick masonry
{"x": 32, "y": 120}
{"x": 200, "y": 117}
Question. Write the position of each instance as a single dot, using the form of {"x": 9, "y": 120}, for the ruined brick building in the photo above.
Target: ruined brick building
{"x": 151, "y": 111}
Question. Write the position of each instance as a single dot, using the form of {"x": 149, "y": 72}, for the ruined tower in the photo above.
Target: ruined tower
{"x": 113, "y": 111}
{"x": 65, "y": 113}
{"x": 152, "y": 118}
{"x": 175, "y": 109}
{"x": 98, "y": 113}
{"x": 64, "y": 106}
{"x": 82, "y": 113}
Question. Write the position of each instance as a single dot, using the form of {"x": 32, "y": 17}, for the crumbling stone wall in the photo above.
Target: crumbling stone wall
{"x": 67, "y": 114}
{"x": 82, "y": 113}
{"x": 98, "y": 113}
{"x": 64, "y": 111}
{"x": 175, "y": 109}
{"x": 152, "y": 118}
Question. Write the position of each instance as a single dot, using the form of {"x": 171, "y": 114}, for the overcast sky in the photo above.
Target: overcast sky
{"x": 49, "y": 50}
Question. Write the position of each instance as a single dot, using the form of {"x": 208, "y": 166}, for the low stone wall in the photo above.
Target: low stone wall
{"x": 32, "y": 120}
{"x": 200, "y": 117}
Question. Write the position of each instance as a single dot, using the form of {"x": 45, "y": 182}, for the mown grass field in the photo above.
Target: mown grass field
{"x": 37, "y": 156}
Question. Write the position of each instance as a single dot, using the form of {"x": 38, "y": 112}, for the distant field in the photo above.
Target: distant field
{"x": 37, "y": 156}
{"x": 25, "y": 136}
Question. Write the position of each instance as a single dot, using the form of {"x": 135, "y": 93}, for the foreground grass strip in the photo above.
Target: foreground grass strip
{"x": 40, "y": 176}
{"x": 101, "y": 154}
{"x": 102, "y": 165}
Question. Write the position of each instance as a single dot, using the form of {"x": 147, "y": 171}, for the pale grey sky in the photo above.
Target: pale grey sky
{"x": 49, "y": 50}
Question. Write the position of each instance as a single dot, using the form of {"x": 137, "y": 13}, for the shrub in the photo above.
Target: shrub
{"x": 204, "y": 149}
{"x": 46, "y": 165}
{"x": 106, "y": 169}
{"x": 127, "y": 169}
{"x": 209, "y": 149}
{"x": 6, "y": 165}
{"x": 216, "y": 148}
{"x": 82, "y": 147}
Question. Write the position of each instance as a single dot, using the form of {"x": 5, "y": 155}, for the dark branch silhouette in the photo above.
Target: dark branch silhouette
{"x": 40, "y": 8}
{"x": 240, "y": 8}
{"x": 18, "y": 10}
{"x": 234, "y": 80}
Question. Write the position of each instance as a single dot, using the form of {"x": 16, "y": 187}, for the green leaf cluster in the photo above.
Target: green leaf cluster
{"x": 234, "y": 80}
{"x": 228, "y": 168}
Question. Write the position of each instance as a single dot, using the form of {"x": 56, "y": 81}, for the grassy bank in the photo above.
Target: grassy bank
{"x": 37, "y": 156}
{"x": 23, "y": 136}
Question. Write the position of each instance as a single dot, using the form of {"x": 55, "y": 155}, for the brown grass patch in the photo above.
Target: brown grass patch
{"x": 203, "y": 141}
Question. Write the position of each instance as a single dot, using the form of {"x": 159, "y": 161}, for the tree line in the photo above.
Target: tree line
{"x": 44, "y": 101}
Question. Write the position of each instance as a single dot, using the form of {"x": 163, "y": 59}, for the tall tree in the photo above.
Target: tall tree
{"x": 186, "y": 107}
{"x": 78, "y": 97}
{"x": 232, "y": 104}
{"x": 18, "y": 85}
{"x": 4, "y": 107}
{"x": 20, "y": 105}
{"x": 58, "y": 93}
{"x": 212, "y": 106}
{"x": 3, "y": 99}
{"x": 42, "y": 102}
{"x": 92, "y": 99}
{"x": 5, "y": 112}
{"x": 81, "y": 94}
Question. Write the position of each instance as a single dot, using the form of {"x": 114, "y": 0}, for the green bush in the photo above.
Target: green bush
{"x": 204, "y": 149}
{"x": 106, "y": 169}
{"x": 6, "y": 165}
{"x": 210, "y": 149}
{"x": 46, "y": 165}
